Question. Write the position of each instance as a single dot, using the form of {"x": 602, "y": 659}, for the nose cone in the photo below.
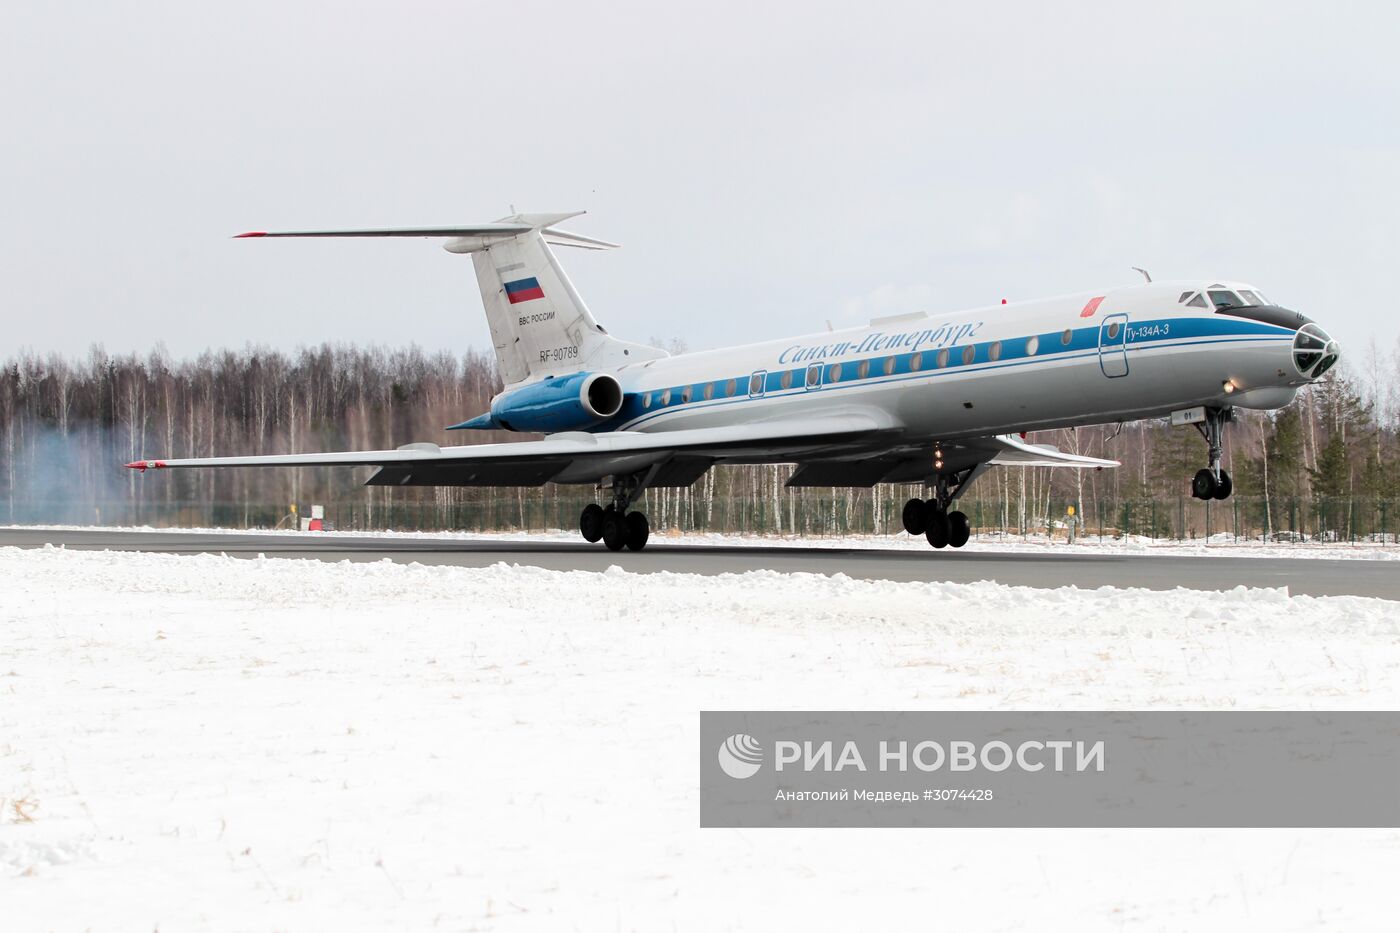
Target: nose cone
{"x": 1314, "y": 352}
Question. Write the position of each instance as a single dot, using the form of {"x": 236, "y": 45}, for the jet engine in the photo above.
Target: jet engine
{"x": 559, "y": 403}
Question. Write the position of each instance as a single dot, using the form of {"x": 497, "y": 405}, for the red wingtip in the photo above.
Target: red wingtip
{"x": 251, "y": 233}
{"x": 144, "y": 465}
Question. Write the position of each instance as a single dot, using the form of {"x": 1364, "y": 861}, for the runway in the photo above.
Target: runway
{"x": 1302, "y": 576}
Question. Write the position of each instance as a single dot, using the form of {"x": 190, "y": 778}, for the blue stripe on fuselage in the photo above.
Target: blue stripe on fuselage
{"x": 1142, "y": 335}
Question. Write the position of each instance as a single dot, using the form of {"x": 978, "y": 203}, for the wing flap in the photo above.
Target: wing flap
{"x": 489, "y": 473}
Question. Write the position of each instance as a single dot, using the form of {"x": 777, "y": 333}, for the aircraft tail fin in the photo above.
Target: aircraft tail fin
{"x": 539, "y": 324}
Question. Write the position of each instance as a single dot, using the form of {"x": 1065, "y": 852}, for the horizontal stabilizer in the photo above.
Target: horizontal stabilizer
{"x": 495, "y": 229}
{"x": 503, "y": 229}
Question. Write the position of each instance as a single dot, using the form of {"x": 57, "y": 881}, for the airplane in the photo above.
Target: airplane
{"x": 923, "y": 398}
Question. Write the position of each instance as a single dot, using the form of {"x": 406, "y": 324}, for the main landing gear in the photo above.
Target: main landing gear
{"x": 932, "y": 519}
{"x": 1213, "y": 482}
{"x": 613, "y": 524}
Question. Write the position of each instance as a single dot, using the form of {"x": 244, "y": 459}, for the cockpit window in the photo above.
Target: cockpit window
{"x": 1197, "y": 301}
{"x": 1184, "y": 296}
{"x": 1225, "y": 299}
{"x": 1251, "y": 298}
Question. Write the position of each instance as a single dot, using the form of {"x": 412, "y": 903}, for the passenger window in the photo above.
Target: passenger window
{"x": 1113, "y": 330}
{"x": 1032, "y": 345}
{"x": 646, "y": 400}
{"x": 916, "y": 362}
{"x": 756, "y": 384}
{"x": 834, "y": 373}
{"x": 994, "y": 352}
{"x": 814, "y": 375}
{"x": 1067, "y": 336}
{"x": 863, "y": 369}
{"x": 889, "y": 365}
{"x": 666, "y": 397}
{"x": 685, "y": 395}
{"x": 942, "y": 359}
{"x": 709, "y": 391}
{"x": 969, "y": 354}
{"x": 730, "y": 387}
{"x": 1198, "y": 302}
{"x": 785, "y": 380}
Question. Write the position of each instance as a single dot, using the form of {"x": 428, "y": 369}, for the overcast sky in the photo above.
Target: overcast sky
{"x": 766, "y": 166}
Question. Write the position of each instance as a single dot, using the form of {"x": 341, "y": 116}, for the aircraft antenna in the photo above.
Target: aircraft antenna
{"x": 1144, "y": 272}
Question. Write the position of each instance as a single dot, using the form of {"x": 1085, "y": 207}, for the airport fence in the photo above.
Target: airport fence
{"x": 819, "y": 513}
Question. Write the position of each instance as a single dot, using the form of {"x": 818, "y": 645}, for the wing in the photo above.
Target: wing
{"x": 840, "y": 450}
{"x": 680, "y": 457}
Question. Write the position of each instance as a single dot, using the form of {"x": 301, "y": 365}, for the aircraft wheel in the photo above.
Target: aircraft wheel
{"x": 638, "y": 530}
{"x": 939, "y": 528}
{"x": 959, "y": 529}
{"x": 915, "y": 516}
{"x": 590, "y": 523}
{"x": 1203, "y": 485}
{"x": 1225, "y": 486}
{"x": 614, "y": 531}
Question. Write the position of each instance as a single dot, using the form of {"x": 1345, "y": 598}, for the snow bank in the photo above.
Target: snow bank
{"x": 205, "y": 742}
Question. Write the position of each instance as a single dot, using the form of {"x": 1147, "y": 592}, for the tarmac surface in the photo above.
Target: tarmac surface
{"x": 1302, "y": 576}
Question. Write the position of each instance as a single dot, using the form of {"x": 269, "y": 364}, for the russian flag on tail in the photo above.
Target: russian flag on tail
{"x": 524, "y": 290}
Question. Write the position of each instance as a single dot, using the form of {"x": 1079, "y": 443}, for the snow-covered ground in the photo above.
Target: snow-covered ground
{"x": 199, "y": 742}
{"x": 1009, "y": 544}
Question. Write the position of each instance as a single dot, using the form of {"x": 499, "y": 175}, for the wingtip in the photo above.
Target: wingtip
{"x": 244, "y": 236}
{"x": 143, "y": 465}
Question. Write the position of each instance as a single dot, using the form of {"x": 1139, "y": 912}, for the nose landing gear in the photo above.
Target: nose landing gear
{"x": 1205, "y": 485}
{"x": 614, "y": 525}
{"x": 1213, "y": 482}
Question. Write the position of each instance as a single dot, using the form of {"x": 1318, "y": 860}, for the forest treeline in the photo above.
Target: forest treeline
{"x": 1329, "y": 463}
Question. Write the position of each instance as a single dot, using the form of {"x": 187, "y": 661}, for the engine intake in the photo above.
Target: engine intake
{"x": 559, "y": 403}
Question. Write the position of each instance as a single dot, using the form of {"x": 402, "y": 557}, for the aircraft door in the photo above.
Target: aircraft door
{"x": 1113, "y": 346}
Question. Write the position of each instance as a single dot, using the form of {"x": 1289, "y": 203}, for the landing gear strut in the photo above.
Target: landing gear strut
{"x": 932, "y": 519}
{"x": 1213, "y": 482}
{"x": 614, "y": 525}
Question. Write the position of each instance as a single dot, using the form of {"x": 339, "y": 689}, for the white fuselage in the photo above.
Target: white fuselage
{"x": 1127, "y": 353}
